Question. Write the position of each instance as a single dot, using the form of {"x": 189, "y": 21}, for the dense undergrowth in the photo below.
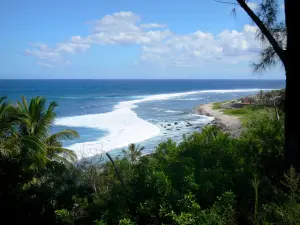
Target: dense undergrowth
{"x": 209, "y": 178}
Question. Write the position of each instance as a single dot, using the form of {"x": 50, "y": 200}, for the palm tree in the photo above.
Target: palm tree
{"x": 133, "y": 153}
{"x": 55, "y": 150}
{"x": 7, "y": 120}
{"x": 261, "y": 97}
{"x": 35, "y": 121}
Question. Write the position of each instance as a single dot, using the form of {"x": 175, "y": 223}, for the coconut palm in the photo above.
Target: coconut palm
{"x": 7, "y": 120}
{"x": 35, "y": 121}
{"x": 133, "y": 153}
{"x": 55, "y": 150}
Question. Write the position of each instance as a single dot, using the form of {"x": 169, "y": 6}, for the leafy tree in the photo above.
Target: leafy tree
{"x": 133, "y": 153}
{"x": 208, "y": 178}
{"x": 282, "y": 46}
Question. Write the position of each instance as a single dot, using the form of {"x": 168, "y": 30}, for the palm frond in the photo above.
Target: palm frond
{"x": 133, "y": 153}
{"x": 46, "y": 119}
{"x": 62, "y": 160}
{"x": 33, "y": 150}
{"x": 63, "y": 135}
{"x": 35, "y": 119}
{"x": 52, "y": 106}
{"x": 24, "y": 103}
{"x": 31, "y": 145}
{"x": 4, "y": 152}
{"x": 7, "y": 118}
{"x": 2, "y": 98}
{"x": 52, "y": 152}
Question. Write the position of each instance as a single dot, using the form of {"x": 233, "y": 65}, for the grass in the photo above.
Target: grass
{"x": 246, "y": 113}
{"x": 217, "y": 105}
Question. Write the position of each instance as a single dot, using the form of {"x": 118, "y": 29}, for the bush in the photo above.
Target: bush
{"x": 208, "y": 178}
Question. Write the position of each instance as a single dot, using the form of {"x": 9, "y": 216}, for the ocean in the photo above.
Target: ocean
{"x": 110, "y": 114}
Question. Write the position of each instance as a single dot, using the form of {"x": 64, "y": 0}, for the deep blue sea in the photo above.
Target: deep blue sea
{"x": 109, "y": 114}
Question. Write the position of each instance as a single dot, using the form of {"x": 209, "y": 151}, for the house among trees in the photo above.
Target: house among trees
{"x": 247, "y": 101}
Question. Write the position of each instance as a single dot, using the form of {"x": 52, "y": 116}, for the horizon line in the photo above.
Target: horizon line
{"x": 142, "y": 79}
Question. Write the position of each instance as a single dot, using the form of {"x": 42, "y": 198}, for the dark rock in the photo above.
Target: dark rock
{"x": 169, "y": 124}
{"x": 177, "y": 128}
{"x": 189, "y": 124}
{"x": 168, "y": 129}
{"x": 175, "y": 123}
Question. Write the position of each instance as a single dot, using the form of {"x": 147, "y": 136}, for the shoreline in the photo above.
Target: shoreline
{"x": 227, "y": 123}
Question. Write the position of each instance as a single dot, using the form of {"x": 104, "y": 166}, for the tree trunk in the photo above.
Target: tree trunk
{"x": 116, "y": 170}
{"x": 292, "y": 120}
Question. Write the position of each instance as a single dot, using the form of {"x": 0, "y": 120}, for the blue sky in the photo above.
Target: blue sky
{"x": 126, "y": 39}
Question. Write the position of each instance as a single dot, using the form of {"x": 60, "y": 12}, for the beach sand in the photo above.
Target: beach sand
{"x": 228, "y": 123}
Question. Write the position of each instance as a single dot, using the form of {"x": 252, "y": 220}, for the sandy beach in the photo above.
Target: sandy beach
{"x": 228, "y": 123}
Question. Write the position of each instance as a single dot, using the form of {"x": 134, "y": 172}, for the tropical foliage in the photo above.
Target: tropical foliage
{"x": 209, "y": 178}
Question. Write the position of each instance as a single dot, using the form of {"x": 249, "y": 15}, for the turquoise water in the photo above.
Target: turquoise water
{"x": 109, "y": 114}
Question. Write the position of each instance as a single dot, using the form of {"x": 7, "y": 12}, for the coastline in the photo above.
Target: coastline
{"x": 228, "y": 123}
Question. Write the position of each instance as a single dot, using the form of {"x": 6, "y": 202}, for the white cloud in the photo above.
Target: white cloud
{"x": 46, "y": 57}
{"x": 159, "y": 47}
{"x": 117, "y": 23}
{"x": 199, "y": 48}
{"x": 128, "y": 38}
{"x": 152, "y": 25}
{"x": 121, "y": 28}
{"x": 253, "y": 5}
{"x": 71, "y": 47}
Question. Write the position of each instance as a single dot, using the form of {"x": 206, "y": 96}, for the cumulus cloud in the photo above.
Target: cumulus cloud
{"x": 121, "y": 28}
{"x": 159, "y": 45}
{"x": 198, "y": 48}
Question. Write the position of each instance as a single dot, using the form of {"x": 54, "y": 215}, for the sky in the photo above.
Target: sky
{"x": 128, "y": 39}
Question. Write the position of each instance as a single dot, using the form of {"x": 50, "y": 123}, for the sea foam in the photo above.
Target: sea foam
{"x": 123, "y": 124}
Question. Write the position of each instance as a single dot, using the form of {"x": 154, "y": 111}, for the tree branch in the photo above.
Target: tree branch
{"x": 279, "y": 51}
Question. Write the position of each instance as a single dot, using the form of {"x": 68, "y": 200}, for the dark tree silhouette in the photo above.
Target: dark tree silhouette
{"x": 282, "y": 46}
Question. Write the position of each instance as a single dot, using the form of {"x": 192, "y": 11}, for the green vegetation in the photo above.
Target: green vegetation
{"x": 217, "y": 105}
{"x": 247, "y": 113}
{"x": 263, "y": 104}
{"x": 209, "y": 178}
